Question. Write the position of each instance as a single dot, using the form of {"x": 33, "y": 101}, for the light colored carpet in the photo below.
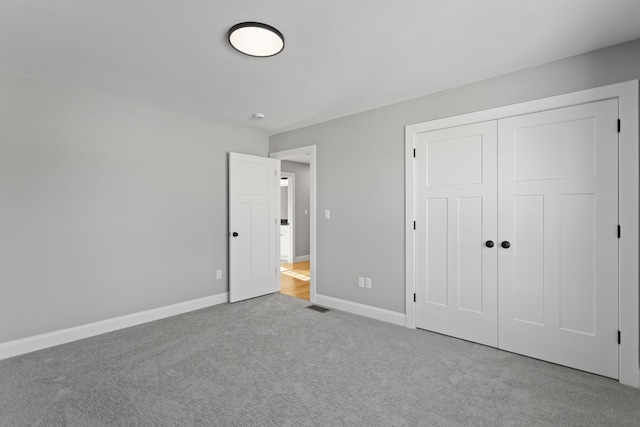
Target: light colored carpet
{"x": 272, "y": 362}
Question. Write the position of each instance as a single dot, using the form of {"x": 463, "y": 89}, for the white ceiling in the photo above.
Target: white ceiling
{"x": 341, "y": 56}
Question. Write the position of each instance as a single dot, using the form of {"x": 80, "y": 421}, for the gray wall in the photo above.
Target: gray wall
{"x": 107, "y": 208}
{"x": 284, "y": 202}
{"x": 302, "y": 222}
{"x": 360, "y": 168}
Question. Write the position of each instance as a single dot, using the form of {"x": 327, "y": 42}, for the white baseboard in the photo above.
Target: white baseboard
{"x": 63, "y": 336}
{"x": 361, "y": 309}
{"x": 301, "y": 258}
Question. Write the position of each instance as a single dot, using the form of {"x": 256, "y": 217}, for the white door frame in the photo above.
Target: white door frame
{"x": 291, "y": 212}
{"x": 628, "y": 205}
{"x": 309, "y": 150}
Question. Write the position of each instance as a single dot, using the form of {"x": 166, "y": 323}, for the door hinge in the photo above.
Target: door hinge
{"x": 619, "y": 233}
{"x": 414, "y": 225}
{"x": 414, "y": 152}
{"x": 619, "y": 337}
{"x": 618, "y": 125}
{"x": 414, "y": 297}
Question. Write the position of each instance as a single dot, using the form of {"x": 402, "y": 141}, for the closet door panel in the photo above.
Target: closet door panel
{"x": 558, "y": 209}
{"x": 455, "y": 215}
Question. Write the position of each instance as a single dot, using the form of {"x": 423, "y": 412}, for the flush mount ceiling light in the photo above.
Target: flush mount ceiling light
{"x": 256, "y": 39}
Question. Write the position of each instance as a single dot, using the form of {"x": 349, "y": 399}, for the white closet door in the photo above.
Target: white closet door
{"x": 558, "y": 209}
{"x": 455, "y": 193}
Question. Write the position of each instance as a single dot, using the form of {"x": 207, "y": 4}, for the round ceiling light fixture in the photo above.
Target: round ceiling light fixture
{"x": 256, "y": 39}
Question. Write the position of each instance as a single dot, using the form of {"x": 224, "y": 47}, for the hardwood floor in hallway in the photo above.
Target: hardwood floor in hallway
{"x": 294, "y": 279}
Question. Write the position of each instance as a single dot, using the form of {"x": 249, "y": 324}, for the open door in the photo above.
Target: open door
{"x": 253, "y": 226}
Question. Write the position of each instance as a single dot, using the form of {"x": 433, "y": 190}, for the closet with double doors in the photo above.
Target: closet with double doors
{"x": 515, "y": 241}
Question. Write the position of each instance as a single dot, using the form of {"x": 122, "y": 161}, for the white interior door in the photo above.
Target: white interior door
{"x": 455, "y": 196}
{"x": 253, "y": 226}
{"x": 558, "y": 209}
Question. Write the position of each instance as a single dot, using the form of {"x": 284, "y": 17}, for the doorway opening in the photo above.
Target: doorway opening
{"x": 297, "y": 251}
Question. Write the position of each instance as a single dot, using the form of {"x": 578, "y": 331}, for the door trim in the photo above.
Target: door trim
{"x": 309, "y": 150}
{"x": 628, "y": 204}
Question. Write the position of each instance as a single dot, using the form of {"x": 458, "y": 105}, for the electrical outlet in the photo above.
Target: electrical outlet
{"x": 218, "y": 274}
{"x": 361, "y": 282}
{"x": 367, "y": 282}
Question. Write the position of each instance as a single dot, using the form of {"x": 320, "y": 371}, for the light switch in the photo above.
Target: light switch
{"x": 327, "y": 214}
{"x": 367, "y": 282}
{"x": 361, "y": 282}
